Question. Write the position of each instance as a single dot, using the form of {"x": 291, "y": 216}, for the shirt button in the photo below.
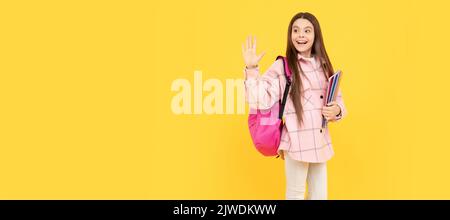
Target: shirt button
{"x": 320, "y": 130}
{"x": 321, "y": 96}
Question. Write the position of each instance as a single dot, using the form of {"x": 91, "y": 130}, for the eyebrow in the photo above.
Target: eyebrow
{"x": 299, "y": 27}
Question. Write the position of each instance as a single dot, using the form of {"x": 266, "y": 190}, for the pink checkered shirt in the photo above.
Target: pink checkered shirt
{"x": 308, "y": 142}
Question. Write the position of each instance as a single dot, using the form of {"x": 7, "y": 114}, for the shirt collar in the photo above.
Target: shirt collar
{"x": 300, "y": 57}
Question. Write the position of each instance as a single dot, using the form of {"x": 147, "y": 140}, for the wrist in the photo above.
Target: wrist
{"x": 252, "y": 66}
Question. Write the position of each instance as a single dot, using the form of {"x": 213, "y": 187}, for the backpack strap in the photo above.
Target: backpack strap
{"x": 287, "y": 75}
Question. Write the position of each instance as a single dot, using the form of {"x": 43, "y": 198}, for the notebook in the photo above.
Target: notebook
{"x": 332, "y": 91}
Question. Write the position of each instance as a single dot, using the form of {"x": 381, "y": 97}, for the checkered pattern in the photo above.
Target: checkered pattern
{"x": 308, "y": 142}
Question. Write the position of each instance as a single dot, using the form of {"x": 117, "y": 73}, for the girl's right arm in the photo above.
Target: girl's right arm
{"x": 261, "y": 92}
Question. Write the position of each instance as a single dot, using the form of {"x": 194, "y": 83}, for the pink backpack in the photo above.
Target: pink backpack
{"x": 265, "y": 125}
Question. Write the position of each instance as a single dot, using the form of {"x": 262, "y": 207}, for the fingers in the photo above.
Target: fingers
{"x": 253, "y": 42}
{"x": 330, "y": 112}
{"x": 327, "y": 113}
{"x": 261, "y": 56}
{"x": 249, "y": 49}
{"x": 250, "y": 43}
{"x": 332, "y": 107}
{"x": 247, "y": 45}
{"x": 327, "y": 109}
{"x": 329, "y": 117}
{"x": 332, "y": 103}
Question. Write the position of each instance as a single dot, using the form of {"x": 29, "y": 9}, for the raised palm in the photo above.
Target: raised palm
{"x": 251, "y": 59}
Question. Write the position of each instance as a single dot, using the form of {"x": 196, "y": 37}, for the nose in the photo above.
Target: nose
{"x": 302, "y": 34}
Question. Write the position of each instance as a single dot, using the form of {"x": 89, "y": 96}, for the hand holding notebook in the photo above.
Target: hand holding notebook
{"x": 332, "y": 91}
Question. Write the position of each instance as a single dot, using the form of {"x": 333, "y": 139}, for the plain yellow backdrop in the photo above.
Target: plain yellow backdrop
{"x": 85, "y": 99}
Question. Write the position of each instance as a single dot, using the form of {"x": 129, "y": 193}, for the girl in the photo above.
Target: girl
{"x": 305, "y": 146}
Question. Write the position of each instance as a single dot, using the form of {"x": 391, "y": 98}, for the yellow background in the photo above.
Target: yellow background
{"x": 85, "y": 99}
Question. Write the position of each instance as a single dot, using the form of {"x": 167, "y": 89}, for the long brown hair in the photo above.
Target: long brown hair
{"x": 318, "y": 50}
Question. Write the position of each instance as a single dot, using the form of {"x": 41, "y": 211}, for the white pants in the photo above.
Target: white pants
{"x": 298, "y": 173}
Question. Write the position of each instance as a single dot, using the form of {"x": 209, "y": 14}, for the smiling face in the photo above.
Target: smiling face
{"x": 303, "y": 36}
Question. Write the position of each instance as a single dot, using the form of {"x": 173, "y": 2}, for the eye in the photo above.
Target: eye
{"x": 295, "y": 30}
{"x": 307, "y": 31}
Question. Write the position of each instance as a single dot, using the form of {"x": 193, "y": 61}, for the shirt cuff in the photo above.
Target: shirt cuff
{"x": 339, "y": 116}
{"x": 252, "y": 73}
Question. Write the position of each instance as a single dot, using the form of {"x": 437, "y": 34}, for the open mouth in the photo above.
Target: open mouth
{"x": 301, "y": 42}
